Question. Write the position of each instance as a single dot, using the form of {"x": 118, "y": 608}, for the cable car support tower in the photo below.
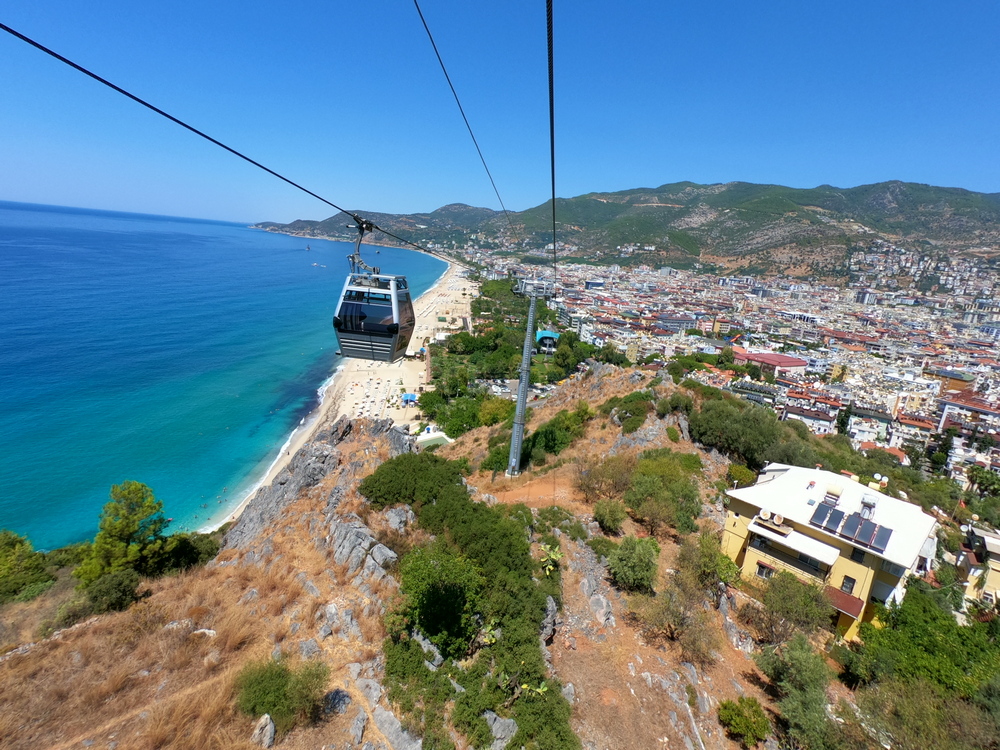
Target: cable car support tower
{"x": 532, "y": 289}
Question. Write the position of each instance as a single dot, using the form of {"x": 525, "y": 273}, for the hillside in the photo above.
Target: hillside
{"x": 436, "y": 599}
{"x": 735, "y": 226}
{"x": 304, "y": 576}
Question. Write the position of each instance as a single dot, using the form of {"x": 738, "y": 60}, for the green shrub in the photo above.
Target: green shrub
{"x": 557, "y": 434}
{"x": 673, "y": 434}
{"x": 67, "y": 557}
{"x": 501, "y": 438}
{"x": 602, "y": 546}
{"x": 663, "y": 407}
{"x": 412, "y": 478}
{"x": 33, "y": 591}
{"x": 183, "y": 551}
{"x": 270, "y": 687}
{"x": 575, "y": 531}
{"x": 610, "y": 515}
{"x": 741, "y": 475}
{"x": 496, "y": 459}
{"x": 745, "y": 720}
{"x": 444, "y": 590}
{"x": 633, "y": 564}
{"x": 680, "y": 402}
{"x": 692, "y": 694}
{"x": 631, "y": 424}
{"x": 20, "y": 566}
{"x": 800, "y": 677}
{"x": 68, "y": 614}
{"x": 488, "y": 596}
{"x": 113, "y": 592}
{"x": 550, "y": 517}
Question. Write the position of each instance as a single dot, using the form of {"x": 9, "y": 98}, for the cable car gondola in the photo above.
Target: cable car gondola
{"x": 374, "y": 318}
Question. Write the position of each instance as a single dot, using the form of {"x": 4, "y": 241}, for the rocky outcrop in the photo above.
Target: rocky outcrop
{"x": 316, "y": 460}
{"x": 263, "y": 732}
{"x": 503, "y": 730}
{"x": 397, "y": 737}
{"x": 312, "y": 463}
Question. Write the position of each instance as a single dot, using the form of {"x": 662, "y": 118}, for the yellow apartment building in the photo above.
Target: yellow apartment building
{"x": 855, "y": 542}
{"x": 979, "y": 560}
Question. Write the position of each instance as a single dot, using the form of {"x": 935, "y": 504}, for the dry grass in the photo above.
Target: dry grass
{"x": 127, "y": 677}
{"x": 352, "y": 502}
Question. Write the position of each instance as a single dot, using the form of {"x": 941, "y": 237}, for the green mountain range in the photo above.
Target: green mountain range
{"x": 732, "y": 227}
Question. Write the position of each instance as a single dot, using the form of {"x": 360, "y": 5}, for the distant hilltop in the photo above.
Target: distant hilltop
{"x": 736, "y": 226}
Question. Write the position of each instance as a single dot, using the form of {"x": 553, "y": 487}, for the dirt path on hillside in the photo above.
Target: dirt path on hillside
{"x": 626, "y": 692}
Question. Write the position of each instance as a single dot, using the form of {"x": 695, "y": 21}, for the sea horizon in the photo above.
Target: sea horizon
{"x": 181, "y": 353}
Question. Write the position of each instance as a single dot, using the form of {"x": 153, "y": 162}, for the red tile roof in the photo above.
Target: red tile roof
{"x": 843, "y": 602}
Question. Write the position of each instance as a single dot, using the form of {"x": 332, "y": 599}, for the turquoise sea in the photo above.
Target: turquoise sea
{"x": 176, "y": 352}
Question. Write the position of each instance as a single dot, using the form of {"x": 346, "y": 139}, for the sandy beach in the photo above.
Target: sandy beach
{"x": 374, "y": 390}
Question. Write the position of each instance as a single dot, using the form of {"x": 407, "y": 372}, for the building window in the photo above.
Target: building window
{"x": 893, "y": 569}
{"x": 858, "y": 555}
{"x": 764, "y": 571}
{"x": 812, "y": 562}
{"x": 848, "y": 585}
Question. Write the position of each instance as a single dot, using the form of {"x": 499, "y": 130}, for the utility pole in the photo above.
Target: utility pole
{"x": 532, "y": 289}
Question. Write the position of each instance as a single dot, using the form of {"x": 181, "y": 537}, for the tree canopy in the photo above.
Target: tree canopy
{"x": 130, "y": 535}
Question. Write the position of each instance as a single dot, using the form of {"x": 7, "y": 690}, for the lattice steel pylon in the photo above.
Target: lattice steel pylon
{"x": 533, "y": 289}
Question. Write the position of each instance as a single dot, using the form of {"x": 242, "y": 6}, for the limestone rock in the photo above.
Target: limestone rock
{"x": 397, "y": 737}
{"x": 383, "y": 556}
{"x": 548, "y": 629}
{"x": 312, "y": 462}
{"x": 692, "y": 671}
{"x": 371, "y": 689}
{"x": 400, "y": 517}
{"x": 336, "y": 701}
{"x": 436, "y": 660}
{"x": 601, "y": 608}
{"x": 502, "y": 729}
{"x": 358, "y": 726}
{"x": 263, "y": 732}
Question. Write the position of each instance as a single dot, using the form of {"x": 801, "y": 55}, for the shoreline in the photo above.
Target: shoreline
{"x": 350, "y": 241}
{"x": 349, "y": 389}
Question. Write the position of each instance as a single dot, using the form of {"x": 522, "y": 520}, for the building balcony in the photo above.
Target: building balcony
{"x": 792, "y": 563}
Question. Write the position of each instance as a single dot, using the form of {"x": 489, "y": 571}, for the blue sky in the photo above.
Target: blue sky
{"x": 348, "y": 99}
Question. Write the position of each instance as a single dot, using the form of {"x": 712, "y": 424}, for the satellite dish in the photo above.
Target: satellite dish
{"x": 964, "y": 529}
{"x": 765, "y": 514}
{"x": 779, "y": 519}
{"x": 878, "y": 477}
{"x": 975, "y": 516}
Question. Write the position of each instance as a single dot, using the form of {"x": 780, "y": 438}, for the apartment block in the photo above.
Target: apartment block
{"x": 855, "y": 542}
